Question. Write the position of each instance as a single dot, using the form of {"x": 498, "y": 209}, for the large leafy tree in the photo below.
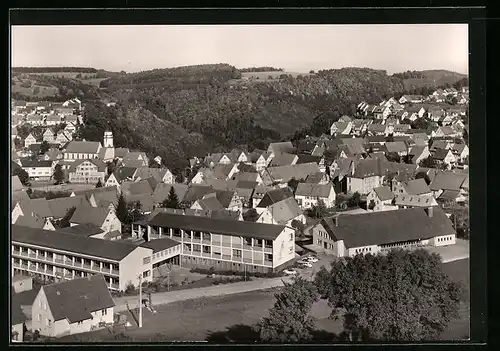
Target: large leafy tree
{"x": 172, "y": 201}
{"x": 44, "y": 147}
{"x": 134, "y": 210}
{"x": 99, "y": 183}
{"x": 289, "y": 319}
{"x": 58, "y": 175}
{"x": 402, "y": 296}
{"x": 429, "y": 162}
{"x": 318, "y": 211}
{"x": 293, "y": 184}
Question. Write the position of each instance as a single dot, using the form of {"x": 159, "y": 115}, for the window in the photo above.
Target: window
{"x": 45, "y": 306}
{"x": 39, "y": 317}
{"x": 40, "y": 303}
{"x": 196, "y": 247}
{"x": 146, "y": 274}
{"x": 146, "y": 260}
{"x": 237, "y": 253}
{"x": 47, "y": 322}
{"x": 268, "y": 257}
{"x": 291, "y": 236}
{"x": 80, "y": 322}
{"x": 206, "y": 249}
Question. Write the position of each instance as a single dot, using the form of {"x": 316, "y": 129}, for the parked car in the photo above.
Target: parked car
{"x": 311, "y": 259}
{"x": 290, "y": 271}
{"x": 305, "y": 264}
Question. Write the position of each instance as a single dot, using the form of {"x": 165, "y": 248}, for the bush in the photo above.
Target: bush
{"x": 230, "y": 280}
{"x": 236, "y": 273}
{"x": 130, "y": 289}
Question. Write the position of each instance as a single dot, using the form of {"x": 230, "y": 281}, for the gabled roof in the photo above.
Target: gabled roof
{"x": 218, "y": 226}
{"x": 385, "y": 227}
{"x": 110, "y": 250}
{"x": 27, "y": 163}
{"x": 86, "y": 230}
{"x": 384, "y": 193}
{"x": 314, "y": 190}
{"x": 396, "y": 146}
{"x": 221, "y": 171}
{"x": 440, "y": 154}
{"x": 17, "y": 315}
{"x": 83, "y": 147}
{"x": 415, "y": 200}
{"x": 195, "y": 192}
{"x": 210, "y": 203}
{"x": 147, "y": 201}
{"x": 124, "y": 173}
{"x": 147, "y": 172}
{"x": 416, "y": 187}
{"x": 36, "y": 207}
{"x": 282, "y": 159}
{"x": 285, "y": 210}
{"x": 246, "y": 177}
{"x": 101, "y": 166}
{"x": 30, "y": 221}
{"x": 145, "y": 186}
{"x": 297, "y": 171}
{"x": 285, "y": 146}
{"x": 447, "y": 181}
{"x": 225, "y": 197}
{"x": 61, "y": 205}
{"x": 275, "y": 195}
{"x": 94, "y": 215}
{"x": 16, "y": 183}
{"x": 76, "y": 299}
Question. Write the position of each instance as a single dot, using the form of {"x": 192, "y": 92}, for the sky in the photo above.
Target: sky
{"x": 296, "y": 48}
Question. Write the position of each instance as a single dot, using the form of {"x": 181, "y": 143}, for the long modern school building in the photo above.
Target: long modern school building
{"x": 223, "y": 244}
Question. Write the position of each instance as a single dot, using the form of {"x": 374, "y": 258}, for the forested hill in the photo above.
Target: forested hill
{"x": 181, "y": 112}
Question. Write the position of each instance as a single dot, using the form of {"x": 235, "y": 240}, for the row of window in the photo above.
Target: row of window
{"x": 364, "y": 249}
{"x": 446, "y": 238}
{"x": 196, "y": 235}
{"x": 74, "y": 156}
{"x": 166, "y": 252}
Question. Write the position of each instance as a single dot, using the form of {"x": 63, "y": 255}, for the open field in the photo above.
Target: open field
{"x": 42, "y": 90}
{"x": 92, "y": 81}
{"x": 216, "y": 318}
{"x": 72, "y": 75}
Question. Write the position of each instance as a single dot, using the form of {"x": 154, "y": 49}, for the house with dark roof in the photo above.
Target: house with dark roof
{"x": 398, "y": 147}
{"x": 283, "y": 174}
{"x": 135, "y": 159}
{"x": 418, "y": 153}
{"x": 161, "y": 175}
{"x": 88, "y": 171}
{"x": 283, "y": 212}
{"x": 82, "y": 150}
{"x": 445, "y": 157}
{"x": 281, "y": 147}
{"x": 104, "y": 218}
{"x": 449, "y": 186}
{"x": 224, "y": 244}
{"x": 416, "y": 187}
{"x": 309, "y": 194}
{"x": 379, "y": 232}
{"x": 88, "y": 230}
{"x": 56, "y": 255}
{"x": 283, "y": 159}
{"x": 38, "y": 170}
{"x": 380, "y": 199}
{"x": 162, "y": 190}
{"x": 72, "y": 307}
{"x": 120, "y": 175}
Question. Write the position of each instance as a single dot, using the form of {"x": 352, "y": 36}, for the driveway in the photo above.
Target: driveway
{"x": 188, "y": 294}
{"x": 451, "y": 253}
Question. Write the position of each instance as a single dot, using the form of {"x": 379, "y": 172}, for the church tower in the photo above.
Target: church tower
{"x": 108, "y": 139}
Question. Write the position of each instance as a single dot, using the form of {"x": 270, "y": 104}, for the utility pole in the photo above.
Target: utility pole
{"x": 140, "y": 300}
{"x": 168, "y": 281}
{"x": 245, "y": 266}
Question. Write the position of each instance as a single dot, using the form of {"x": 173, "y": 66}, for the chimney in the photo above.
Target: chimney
{"x": 430, "y": 211}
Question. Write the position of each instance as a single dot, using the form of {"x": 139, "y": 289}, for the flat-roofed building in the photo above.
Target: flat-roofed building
{"x": 223, "y": 244}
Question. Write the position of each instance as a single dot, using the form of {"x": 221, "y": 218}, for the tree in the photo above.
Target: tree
{"x": 429, "y": 162}
{"x": 22, "y": 174}
{"x": 311, "y": 71}
{"x": 354, "y": 200}
{"x": 17, "y": 143}
{"x": 293, "y": 183}
{"x": 121, "y": 209}
{"x": 289, "y": 319}
{"x": 111, "y": 166}
{"x": 423, "y": 175}
{"x": 172, "y": 200}
{"x": 153, "y": 164}
{"x": 319, "y": 210}
{"x": 99, "y": 184}
{"x": 65, "y": 221}
{"x": 179, "y": 178}
{"x": 393, "y": 157}
{"x": 251, "y": 215}
{"x": 58, "y": 175}
{"x": 465, "y": 136}
{"x": 371, "y": 205}
{"x": 44, "y": 147}
{"x": 134, "y": 210}
{"x": 402, "y": 296}
{"x": 420, "y": 123}
{"x": 299, "y": 228}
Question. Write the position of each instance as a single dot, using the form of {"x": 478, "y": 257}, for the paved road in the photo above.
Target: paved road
{"x": 188, "y": 294}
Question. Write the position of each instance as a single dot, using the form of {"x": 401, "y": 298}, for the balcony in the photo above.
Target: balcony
{"x": 257, "y": 247}
{"x": 237, "y": 246}
{"x": 16, "y": 264}
{"x": 257, "y": 261}
{"x": 247, "y": 247}
{"x": 268, "y": 249}
{"x": 206, "y": 242}
{"x": 32, "y": 255}
{"x": 16, "y": 252}
{"x": 59, "y": 260}
{"x": 68, "y": 262}
{"x": 268, "y": 263}
{"x": 115, "y": 272}
{"x": 206, "y": 254}
{"x": 24, "y": 253}
{"x": 216, "y": 243}
{"x": 247, "y": 260}
{"x": 32, "y": 267}
{"x": 68, "y": 275}
{"x": 86, "y": 266}
{"x": 114, "y": 286}
{"x": 226, "y": 257}
{"x": 237, "y": 259}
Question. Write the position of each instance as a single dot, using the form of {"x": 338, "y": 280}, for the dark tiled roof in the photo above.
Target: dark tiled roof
{"x": 376, "y": 228}
{"x": 447, "y": 181}
{"x": 218, "y": 226}
{"x": 94, "y": 215}
{"x": 123, "y": 173}
{"x": 61, "y": 205}
{"x": 308, "y": 159}
{"x": 416, "y": 187}
{"x": 285, "y": 146}
{"x": 72, "y": 243}
{"x": 162, "y": 190}
{"x": 76, "y": 299}
{"x": 274, "y": 196}
{"x": 83, "y": 147}
{"x": 282, "y": 159}
{"x": 196, "y": 192}
{"x": 26, "y": 163}
{"x": 314, "y": 190}
{"x": 17, "y": 316}
{"x": 87, "y": 229}
{"x": 384, "y": 193}
{"x": 158, "y": 245}
{"x": 440, "y": 154}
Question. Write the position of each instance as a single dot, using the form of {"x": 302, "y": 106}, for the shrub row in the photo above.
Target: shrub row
{"x": 236, "y": 273}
